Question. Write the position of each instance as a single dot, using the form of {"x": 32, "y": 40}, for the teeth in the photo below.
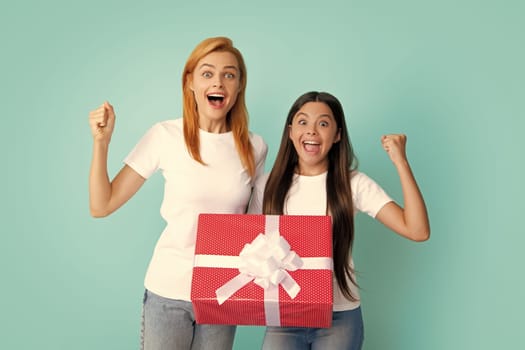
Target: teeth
{"x": 310, "y": 142}
{"x": 216, "y": 95}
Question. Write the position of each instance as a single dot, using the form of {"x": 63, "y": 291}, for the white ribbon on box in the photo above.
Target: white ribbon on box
{"x": 265, "y": 261}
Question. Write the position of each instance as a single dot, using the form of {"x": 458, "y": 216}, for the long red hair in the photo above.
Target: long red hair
{"x": 237, "y": 118}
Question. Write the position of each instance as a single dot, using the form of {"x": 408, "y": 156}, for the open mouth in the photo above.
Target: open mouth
{"x": 216, "y": 99}
{"x": 311, "y": 146}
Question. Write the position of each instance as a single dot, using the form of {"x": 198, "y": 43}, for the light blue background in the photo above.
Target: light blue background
{"x": 447, "y": 73}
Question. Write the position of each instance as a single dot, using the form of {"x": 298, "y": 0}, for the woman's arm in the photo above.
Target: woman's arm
{"x": 412, "y": 220}
{"x": 104, "y": 196}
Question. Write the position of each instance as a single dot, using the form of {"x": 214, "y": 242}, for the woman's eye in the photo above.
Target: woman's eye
{"x": 301, "y": 122}
{"x": 207, "y": 74}
{"x": 323, "y": 124}
{"x": 229, "y": 75}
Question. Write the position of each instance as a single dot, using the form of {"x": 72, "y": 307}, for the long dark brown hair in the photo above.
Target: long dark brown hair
{"x": 341, "y": 163}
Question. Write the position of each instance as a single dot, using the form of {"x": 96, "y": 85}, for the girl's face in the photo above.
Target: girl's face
{"x": 313, "y": 131}
{"x": 215, "y": 83}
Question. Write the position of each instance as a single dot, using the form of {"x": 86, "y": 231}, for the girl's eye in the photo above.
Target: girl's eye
{"x": 207, "y": 74}
{"x": 323, "y": 124}
{"x": 229, "y": 75}
{"x": 301, "y": 122}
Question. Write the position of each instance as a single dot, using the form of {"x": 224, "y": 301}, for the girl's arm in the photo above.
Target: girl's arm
{"x": 412, "y": 220}
{"x": 104, "y": 196}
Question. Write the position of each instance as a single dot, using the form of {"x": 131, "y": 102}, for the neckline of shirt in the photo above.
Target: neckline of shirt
{"x": 205, "y": 133}
{"x": 312, "y": 178}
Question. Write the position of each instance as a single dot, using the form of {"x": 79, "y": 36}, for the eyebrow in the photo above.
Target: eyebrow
{"x": 320, "y": 115}
{"x": 212, "y": 66}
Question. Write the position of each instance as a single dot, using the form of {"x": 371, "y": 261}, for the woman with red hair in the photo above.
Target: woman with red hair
{"x": 210, "y": 161}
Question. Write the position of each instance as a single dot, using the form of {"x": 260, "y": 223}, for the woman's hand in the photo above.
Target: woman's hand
{"x": 102, "y": 122}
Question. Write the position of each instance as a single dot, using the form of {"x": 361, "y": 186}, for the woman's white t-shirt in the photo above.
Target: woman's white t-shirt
{"x": 221, "y": 186}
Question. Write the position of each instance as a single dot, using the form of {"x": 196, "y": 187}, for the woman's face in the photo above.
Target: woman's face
{"x": 215, "y": 83}
{"x": 313, "y": 131}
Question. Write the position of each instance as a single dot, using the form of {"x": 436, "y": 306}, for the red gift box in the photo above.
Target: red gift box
{"x": 263, "y": 270}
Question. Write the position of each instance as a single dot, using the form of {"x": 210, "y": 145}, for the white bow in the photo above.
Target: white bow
{"x": 265, "y": 261}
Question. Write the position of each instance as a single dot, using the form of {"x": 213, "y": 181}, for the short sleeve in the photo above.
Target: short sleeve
{"x": 260, "y": 152}
{"x": 367, "y": 195}
{"x": 145, "y": 157}
{"x": 255, "y": 206}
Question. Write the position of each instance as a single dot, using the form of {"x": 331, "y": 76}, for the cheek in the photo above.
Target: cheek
{"x": 235, "y": 88}
{"x": 195, "y": 88}
{"x": 335, "y": 136}
{"x": 296, "y": 141}
{"x": 233, "y": 96}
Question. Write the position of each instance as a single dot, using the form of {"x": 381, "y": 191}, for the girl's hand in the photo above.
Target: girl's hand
{"x": 394, "y": 145}
{"x": 102, "y": 122}
{"x": 412, "y": 220}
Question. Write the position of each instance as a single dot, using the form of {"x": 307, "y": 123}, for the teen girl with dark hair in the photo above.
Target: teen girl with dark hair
{"x": 315, "y": 174}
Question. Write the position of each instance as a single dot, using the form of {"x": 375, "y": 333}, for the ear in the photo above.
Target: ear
{"x": 290, "y": 132}
{"x": 338, "y": 136}
{"x": 189, "y": 81}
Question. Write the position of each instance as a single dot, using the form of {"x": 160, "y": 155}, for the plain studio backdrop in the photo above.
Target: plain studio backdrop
{"x": 447, "y": 73}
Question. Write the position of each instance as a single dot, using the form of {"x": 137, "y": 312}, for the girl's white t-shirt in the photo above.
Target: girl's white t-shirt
{"x": 221, "y": 186}
{"x": 307, "y": 196}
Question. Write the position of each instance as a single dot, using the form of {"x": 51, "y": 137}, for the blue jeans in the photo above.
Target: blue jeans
{"x": 169, "y": 324}
{"x": 346, "y": 333}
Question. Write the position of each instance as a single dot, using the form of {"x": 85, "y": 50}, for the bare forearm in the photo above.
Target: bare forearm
{"x": 415, "y": 212}
{"x": 99, "y": 183}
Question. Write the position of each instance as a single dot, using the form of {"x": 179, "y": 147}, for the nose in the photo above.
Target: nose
{"x": 218, "y": 81}
{"x": 311, "y": 130}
